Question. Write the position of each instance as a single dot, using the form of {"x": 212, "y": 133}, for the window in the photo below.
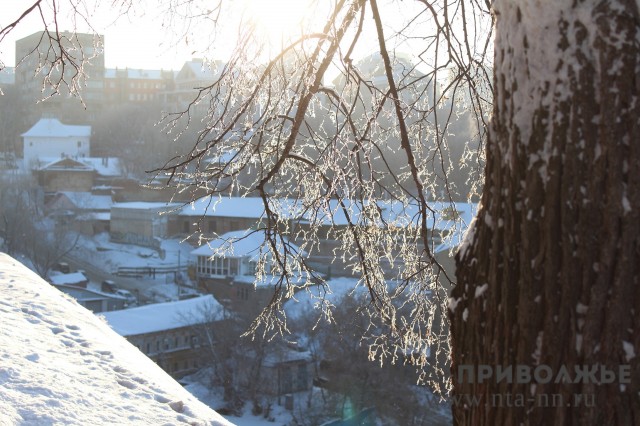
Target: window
{"x": 242, "y": 293}
{"x": 233, "y": 266}
{"x": 286, "y": 380}
{"x": 185, "y": 226}
{"x": 302, "y": 377}
{"x": 251, "y": 267}
{"x": 217, "y": 266}
{"x": 195, "y": 342}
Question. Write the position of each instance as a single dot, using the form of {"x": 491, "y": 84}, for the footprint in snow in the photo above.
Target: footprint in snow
{"x": 105, "y": 353}
{"x": 127, "y": 384}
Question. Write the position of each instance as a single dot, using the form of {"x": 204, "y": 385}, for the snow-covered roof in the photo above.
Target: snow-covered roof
{"x": 61, "y": 364}
{"x": 241, "y": 207}
{"x": 103, "y": 216}
{"x": 240, "y": 244}
{"x": 87, "y": 294}
{"x": 145, "y": 205}
{"x": 104, "y": 166}
{"x": 201, "y": 70}
{"x": 162, "y": 316}
{"x": 446, "y": 215}
{"x": 285, "y": 355}
{"x": 135, "y": 73}
{"x": 72, "y": 278}
{"x": 64, "y": 164}
{"x": 52, "y": 127}
{"x": 89, "y": 201}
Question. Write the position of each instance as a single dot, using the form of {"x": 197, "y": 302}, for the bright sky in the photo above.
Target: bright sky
{"x": 145, "y": 38}
{"x": 138, "y": 41}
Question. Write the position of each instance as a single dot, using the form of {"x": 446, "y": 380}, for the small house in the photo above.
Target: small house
{"x": 140, "y": 223}
{"x": 49, "y": 138}
{"x": 211, "y": 216}
{"x": 66, "y": 174}
{"x": 77, "y": 279}
{"x": 95, "y": 301}
{"x": 226, "y": 268}
{"x": 167, "y": 332}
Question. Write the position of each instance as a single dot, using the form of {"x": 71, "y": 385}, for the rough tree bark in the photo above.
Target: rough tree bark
{"x": 548, "y": 277}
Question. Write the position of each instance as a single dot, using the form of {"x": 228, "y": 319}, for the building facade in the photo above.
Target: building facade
{"x": 49, "y": 140}
{"x": 38, "y": 71}
{"x": 136, "y": 85}
{"x": 167, "y": 332}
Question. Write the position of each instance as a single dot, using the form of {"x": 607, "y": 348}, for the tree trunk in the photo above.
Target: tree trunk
{"x": 548, "y": 276}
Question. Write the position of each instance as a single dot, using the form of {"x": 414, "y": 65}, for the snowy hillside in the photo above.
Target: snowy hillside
{"x": 60, "y": 364}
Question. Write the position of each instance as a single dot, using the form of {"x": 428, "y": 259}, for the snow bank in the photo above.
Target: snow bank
{"x": 59, "y": 364}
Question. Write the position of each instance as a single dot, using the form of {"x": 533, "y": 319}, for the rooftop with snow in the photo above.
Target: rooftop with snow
{"x": 163, "y": 316}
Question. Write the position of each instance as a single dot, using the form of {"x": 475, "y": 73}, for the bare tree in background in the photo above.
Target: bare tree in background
{"x": 24, "y": 229}
{"x": 319, "y": 134}
{"x": 18, "y": 207}
{"x": 58, "y": 59}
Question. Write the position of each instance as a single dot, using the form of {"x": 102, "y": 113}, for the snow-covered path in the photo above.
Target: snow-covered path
{"x": 60, "y": 364}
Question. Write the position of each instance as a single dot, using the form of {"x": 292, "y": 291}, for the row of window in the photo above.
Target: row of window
{"x": 217, "y": 266}
{"x": 177, "y": 366}
{"x": 224, "y": 267}
{"x": 167, "y": 343}
{"x": 139, "y": 85}
{"x": 211, "y": 226}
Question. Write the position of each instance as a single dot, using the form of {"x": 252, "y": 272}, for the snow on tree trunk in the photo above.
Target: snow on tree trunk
{"x": 548, "y": 276}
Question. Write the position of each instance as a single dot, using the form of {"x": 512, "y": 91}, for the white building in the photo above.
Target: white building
{"x": 49, "y": 139}
{"x": 236, "y": 254}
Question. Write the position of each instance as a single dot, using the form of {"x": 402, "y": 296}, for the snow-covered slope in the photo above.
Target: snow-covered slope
{"x": 60, "y": 364}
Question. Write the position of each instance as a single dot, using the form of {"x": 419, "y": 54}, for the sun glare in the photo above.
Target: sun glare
{"x": 280, "y": 21}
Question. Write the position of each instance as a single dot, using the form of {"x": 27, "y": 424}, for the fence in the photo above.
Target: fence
{"x": 149, "y": 271}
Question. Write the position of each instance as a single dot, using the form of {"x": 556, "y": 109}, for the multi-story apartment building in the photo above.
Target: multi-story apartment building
{"x": 136, "y": 85}
{"x": 37, "y": 69}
